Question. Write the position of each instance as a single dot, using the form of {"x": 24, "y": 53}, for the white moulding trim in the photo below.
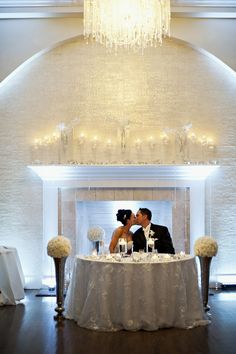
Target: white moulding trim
{"x": 123, "y": 172}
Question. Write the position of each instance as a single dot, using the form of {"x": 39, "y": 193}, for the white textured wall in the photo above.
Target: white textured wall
{"x": 169, "y": 85}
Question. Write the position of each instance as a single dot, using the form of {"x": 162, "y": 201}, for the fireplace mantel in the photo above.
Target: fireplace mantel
{"x": 120, "y": 183}
{"x": 123, "y": 172}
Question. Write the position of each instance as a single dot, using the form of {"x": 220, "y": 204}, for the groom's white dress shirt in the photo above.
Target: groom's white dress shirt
{"x": 146, "y": 230}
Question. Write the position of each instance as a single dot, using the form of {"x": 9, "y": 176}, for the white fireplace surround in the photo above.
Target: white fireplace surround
{"x": 56, "y": 178}
{"x": 82, "y": 175}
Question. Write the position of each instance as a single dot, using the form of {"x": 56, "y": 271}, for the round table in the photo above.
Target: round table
{"x": 109, "y": 295}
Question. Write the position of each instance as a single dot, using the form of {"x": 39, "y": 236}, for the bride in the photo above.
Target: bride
{"x": 127, "y": 218}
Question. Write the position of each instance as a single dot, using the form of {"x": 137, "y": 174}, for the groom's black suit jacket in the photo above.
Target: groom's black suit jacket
{"x": 163, "y": 242}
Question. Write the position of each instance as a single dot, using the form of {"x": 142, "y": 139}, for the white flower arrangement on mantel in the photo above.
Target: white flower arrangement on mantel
{"x": 96, "y": 233}
{"x": 59, "y": 247}
{"x": 205, "y": 246}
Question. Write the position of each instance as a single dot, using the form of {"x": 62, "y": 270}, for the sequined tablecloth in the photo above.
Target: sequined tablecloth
{"x": 109, "y": 294}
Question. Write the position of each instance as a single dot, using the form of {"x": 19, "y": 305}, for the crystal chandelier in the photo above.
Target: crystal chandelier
{"x": 130, "y": 24}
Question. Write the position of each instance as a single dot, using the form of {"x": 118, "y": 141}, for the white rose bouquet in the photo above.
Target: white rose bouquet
{"x": 59, "y": 247}
{"x": 96, "y": 233}
{"x": 205, "y": 246}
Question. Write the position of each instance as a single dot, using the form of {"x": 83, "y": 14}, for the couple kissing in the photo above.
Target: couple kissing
{"x": 137, "y": 240}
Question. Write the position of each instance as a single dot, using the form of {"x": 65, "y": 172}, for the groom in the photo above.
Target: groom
{"x": 163, "y": 241}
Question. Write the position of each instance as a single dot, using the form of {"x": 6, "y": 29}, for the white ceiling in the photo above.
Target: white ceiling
{"x": 224, "y": 3}
{"x": 10, "y": 9}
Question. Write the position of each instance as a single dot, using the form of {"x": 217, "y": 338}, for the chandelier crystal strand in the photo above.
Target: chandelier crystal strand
{"x": 129, "y": 24}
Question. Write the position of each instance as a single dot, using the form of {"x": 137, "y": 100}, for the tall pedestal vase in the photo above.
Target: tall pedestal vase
{"x": 96, "y": 246}
{"x": 205, "y": 263}
{"x": 60, "y": 282}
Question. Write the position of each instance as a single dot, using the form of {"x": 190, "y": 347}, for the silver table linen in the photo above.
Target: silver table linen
{"x": 112, "y": 296}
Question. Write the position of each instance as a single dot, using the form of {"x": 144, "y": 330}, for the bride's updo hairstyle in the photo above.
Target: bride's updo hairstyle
{"x": 123, "y": 215}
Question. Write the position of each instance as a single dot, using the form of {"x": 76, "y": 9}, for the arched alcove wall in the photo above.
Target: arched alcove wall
{"x": 166, "y": 87}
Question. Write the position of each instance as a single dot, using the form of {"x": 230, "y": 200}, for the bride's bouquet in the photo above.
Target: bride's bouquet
{"x": 96, "y": 233}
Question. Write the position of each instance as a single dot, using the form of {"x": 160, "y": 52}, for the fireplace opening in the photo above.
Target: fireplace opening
{"x": 103, "y": 213}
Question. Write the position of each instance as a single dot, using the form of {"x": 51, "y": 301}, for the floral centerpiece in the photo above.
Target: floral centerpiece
{"x": 96, "y": 233}
{"x": 59, "y": 247}
{"x": 205, "y": 246}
